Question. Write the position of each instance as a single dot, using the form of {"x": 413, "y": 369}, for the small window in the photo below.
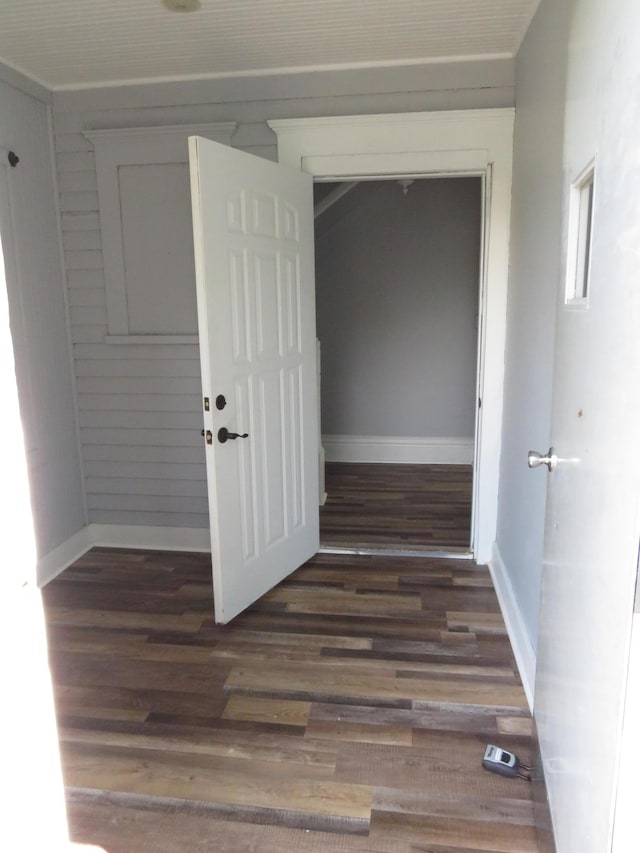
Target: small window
{"x": 579, "y": 239}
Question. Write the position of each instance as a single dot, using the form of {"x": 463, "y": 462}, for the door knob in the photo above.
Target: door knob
{"x": 225, "y": 435}
{"x": 535, "y": 459}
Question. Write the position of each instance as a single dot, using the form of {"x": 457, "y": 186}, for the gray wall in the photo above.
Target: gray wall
{"x": 139, "y": 405}
{"x": 397, "y": 303}
{"x": 533, "y": 292}
{"x": 39, "y": 317}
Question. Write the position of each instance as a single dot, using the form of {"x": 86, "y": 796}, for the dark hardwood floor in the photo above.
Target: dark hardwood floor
{"x": 347, "y": 710}
{"x": 401, "y": 506}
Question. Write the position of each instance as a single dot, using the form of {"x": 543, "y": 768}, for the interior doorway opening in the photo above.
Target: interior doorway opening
{"x": 398, "y": 304}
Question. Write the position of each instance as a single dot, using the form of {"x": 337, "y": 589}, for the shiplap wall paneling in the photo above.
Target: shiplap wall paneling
{"x": 139, "y": 403}
{"x": 140, "y": 412}
{"x": 37, "y": 291}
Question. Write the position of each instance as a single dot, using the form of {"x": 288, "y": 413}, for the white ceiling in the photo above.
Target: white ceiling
{"x": 79, "y": 43}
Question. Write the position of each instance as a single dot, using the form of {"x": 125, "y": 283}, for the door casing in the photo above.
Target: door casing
{"x": 447, "y": 143}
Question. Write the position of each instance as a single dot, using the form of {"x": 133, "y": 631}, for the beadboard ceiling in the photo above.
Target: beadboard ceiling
{"x": 80, "y": 43}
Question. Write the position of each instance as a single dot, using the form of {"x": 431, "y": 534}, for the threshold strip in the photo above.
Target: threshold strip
{"x": 398, "y": 552}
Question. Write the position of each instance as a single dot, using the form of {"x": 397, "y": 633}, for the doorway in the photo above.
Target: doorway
{"x": 459, "y": 142}
{"x": 397, "y": 306}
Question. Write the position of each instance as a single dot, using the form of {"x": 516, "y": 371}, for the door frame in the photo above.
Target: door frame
{"x": 447, "y": 143}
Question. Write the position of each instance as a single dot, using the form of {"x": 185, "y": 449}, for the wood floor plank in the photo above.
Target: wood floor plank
{"x": 314, "y": 600}
{"x": 489, "y": 623}
{"x": 240, "y": 746}
{"x": 519, "y": 812}
{"x": 282, "y": 711}
{"x": 238, "y": 638}
{"x": 187, "y": 622}
{"x": 444, "y": 761}
{"x": 358, "y": 683}
{"x": 343, "y": 730}
{"x": 269, "y": 785}
{"x": 76, "y": 698}
{"x": 522, "y": 726}
{"x": 424, "y": 831}
{"x": 159, "y": 652}
{"x": 173, "y": 828}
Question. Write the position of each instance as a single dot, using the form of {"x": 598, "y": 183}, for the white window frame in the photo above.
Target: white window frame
{"x": 579, "y": 238}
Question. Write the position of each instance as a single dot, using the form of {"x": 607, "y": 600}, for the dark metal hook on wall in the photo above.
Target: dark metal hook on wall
{"x": 13, "y": 159}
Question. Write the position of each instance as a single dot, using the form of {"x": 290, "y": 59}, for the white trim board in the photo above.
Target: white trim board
{"x": 120, "y": 536}
{"x": 401, "y": 449}
{"x": 523, "y": 650}
{"x": 58, "y": 559}
{"x": 458, "y": 142}
{"x": 152, "y": 538}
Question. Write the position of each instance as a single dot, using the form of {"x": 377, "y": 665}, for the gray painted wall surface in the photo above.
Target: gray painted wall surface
{"x": 139, "y": 405}
{"x": 533, "y": 294}
{"x": 39, "y": 322}
{"x": 397, "y": 304}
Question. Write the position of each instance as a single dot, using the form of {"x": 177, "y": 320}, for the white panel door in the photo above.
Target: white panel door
{"x": 591, "y": 534}
{"x": 253, "y": 236}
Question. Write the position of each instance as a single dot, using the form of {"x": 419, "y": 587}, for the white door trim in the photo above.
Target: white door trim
{"x": 438, "y": 143}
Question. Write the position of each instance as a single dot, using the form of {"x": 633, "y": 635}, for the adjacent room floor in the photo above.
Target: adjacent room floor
{"x": 412, "y": 507}
{"x": 347, "y": 710}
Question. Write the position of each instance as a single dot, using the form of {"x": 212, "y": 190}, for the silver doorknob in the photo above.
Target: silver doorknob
{"x": 535, "y": 459}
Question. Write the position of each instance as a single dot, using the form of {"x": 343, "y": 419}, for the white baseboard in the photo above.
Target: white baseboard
{"x": 120, "y": 536}
{"x": 523, "y": 650}
{"x": 403, "y": 449}
{"x": 56, "y": 561}
{"x": 151, "y": 538}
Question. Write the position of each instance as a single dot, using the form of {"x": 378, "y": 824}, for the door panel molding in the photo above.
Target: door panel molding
{"x": 253, "y": 232}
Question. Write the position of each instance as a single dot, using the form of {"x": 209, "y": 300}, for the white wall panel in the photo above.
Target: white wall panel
{"x": 148, "y": 503}
{"x": 44, "y": 366}
{"x": 139, "y": 385}
{"x": 82, "y": 240}
{"x": 137, "y": 472}
{"x": 150, "y": 518}
{"x": 129, "y": 454}
{"x": 80, "y": 222}
{"x": 157, "y": 486}
{"x": 533, "y": 282}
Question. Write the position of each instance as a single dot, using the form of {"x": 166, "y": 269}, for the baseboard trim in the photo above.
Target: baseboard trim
{"x": 405, "y": 449}
{"x": 151, "y": 538}
{"x": 56, "y": 561}
{"x": 120, "y": 536}
{"x": 518, "y": 635}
